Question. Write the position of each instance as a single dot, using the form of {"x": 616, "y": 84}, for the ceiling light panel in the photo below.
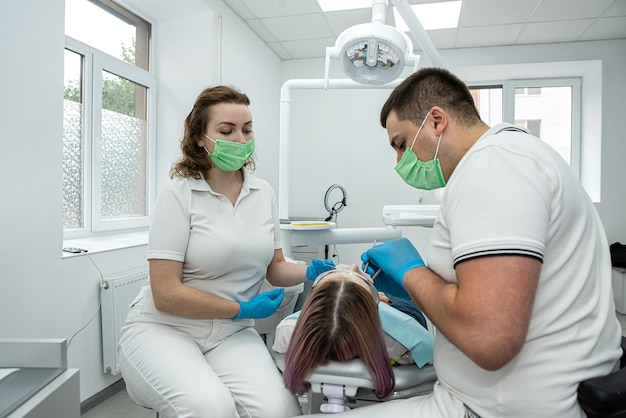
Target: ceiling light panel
{"x": 334, "y": 5}
{"x": 431, "y": 16}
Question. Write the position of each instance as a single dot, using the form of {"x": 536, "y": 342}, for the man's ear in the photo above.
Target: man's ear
{"x": 440, "y": 119}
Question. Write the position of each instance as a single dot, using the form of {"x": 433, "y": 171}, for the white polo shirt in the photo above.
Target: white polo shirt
{"x": 225, "y": 249}
{"x": 512, "y": 194}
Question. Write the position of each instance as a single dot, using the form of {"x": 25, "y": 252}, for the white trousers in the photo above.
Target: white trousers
{"x": 219, "y": 370}
{"x": 437, "y": 404}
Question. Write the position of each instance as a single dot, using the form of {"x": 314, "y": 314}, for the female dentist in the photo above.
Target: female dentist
{"x": 188, "y": 348}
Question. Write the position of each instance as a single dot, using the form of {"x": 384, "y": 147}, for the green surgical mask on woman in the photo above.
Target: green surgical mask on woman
{"x": 228, "y": 155}
{"x": 425, "y": 175}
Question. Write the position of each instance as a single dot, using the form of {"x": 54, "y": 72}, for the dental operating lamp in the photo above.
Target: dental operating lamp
{"x": 376, "y": 53}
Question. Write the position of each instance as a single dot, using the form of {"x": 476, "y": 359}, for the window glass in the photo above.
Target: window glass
{"x": 547, "y": 113}
{"x": 104, "y": 25}
{"x": 124, "y": 148}
{"x": 488, "y": 101}
{"x": 72, "y": 142}
{"x": 91, "y": 24}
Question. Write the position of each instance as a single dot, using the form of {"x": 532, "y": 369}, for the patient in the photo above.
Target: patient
{"x": 340, "y": 321}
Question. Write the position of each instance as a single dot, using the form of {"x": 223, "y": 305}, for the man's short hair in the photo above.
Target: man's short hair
{"x": 429, "y": 87}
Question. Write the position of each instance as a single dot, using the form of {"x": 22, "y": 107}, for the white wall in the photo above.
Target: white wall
{"x": 31, "y": 117}
{"x": 185, "y": 65}
{"x": 250, "y": 65}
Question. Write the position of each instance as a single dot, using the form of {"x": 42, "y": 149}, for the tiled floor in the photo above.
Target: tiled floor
{"x": 120, "y": 405}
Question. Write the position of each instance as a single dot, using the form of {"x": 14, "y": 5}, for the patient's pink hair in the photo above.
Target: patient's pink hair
{"x": 339, "y": 321}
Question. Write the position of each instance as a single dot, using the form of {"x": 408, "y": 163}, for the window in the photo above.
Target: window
{"x": 488, "y": 101}
{"x": 109, "y": 107}
{"x": 547, "y": 108}
{"x": 521, "y": 91}
{"x": 531, "y": 125}
{"x": 550, "y": 110}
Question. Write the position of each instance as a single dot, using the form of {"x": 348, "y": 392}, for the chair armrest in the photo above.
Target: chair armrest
{"x": 605, "y": 395}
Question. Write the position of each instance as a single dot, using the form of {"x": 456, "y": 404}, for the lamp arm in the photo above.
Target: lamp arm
{"x": 415, "y": 59}
{"x": 418, "y": 31}
{"x": 379, "y": 11}
{"x": 327, "y": 67}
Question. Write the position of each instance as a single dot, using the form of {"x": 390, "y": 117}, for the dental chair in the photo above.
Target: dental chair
{"x": 605, "y": 396}
{"x": 341, "y": 386}
{"x": 338, "y": 387}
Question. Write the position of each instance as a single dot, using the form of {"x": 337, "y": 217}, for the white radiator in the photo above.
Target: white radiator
{"x": 117, "y": 294}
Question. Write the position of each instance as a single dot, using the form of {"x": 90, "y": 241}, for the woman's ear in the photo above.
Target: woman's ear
{"x": 202, "y": 143}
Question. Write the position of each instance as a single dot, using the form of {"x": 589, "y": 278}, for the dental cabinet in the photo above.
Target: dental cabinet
{"x": 35, "y": 381}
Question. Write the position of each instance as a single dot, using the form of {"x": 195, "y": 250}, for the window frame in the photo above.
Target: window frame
{"x": 575, "y": 83}
{"x": 94, "y": 63}
{"x": 508, "y": 105}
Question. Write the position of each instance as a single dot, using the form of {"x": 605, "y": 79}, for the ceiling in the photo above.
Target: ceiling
{"x": 297, "y": 29}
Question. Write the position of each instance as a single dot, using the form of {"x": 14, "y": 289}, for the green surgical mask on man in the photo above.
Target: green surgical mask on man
{"x": 425, "y": 175}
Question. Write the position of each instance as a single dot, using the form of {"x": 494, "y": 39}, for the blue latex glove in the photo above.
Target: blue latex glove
{"x": 385, "y": 284}
{"x": 318, "y": 267}
{"x": 262, "y": 305}
{"x": 394, "y": 258}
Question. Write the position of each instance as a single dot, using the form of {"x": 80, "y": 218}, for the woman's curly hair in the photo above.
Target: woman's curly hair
{"x": 194, "y": 162}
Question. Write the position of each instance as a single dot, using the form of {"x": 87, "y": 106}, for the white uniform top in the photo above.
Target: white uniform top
{"x": 225, "y": 249}
{"x": 511, "y": 194}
